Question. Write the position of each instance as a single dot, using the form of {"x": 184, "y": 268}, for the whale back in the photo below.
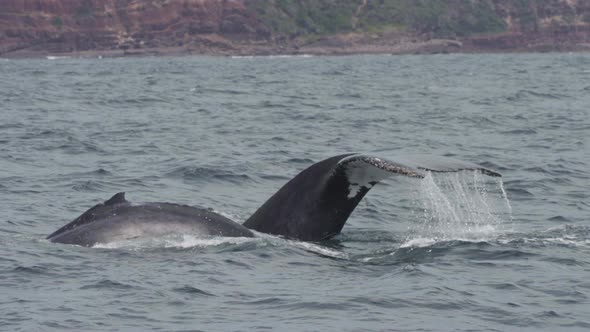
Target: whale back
{"x": 118, "y": 220}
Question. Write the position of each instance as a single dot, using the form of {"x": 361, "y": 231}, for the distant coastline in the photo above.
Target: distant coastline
{"x": 114, "y": 28}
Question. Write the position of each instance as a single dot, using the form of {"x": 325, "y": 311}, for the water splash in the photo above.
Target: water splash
{"x": 182, "y": 241}
{"x": 190, "y": 241}
{"x": 459, "y": 206}
{"x": 567, "y": 235}
{"x": 319, "y": 249}
{"x": 505, "y": 196}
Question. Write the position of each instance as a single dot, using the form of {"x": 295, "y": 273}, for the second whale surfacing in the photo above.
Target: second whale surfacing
{"x": 313, "y": 206}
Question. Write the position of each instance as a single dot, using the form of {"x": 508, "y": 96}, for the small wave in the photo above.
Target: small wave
{"x": 104, "y": 73}
{"x": 208, "y": 174}
{"x": 192, "y": 291}
{"x": 14, "y": 125}
{"x": 565, "y": 235}
{"x": 493, "y": 165}
{"x": 140, "y": 100}
{"x": 528, "y": 131}
{"x": 107, "y": 284}
{"x": 536, "y": 169}
{"x": 527, "y": 95}
{"x": 423, "y": 242}
{"x": 519, "y": 192}
{"x": 220, "y": 91}
{"x": 100, "y": 171}
{"x": 559, "y": 219}
{"x": 35, "y": 269}
{"x": 334, "y": 73}
{"x": 480, "y": 120}
{"x": 90, "y": 186}
{"x": 73, "y": 146}
{"x": 271, "y": 105}
{"x": 273, "y": 177}
{"x": 418, "y": 243}
{"x": 44, "y": 134}
{"x": 277, "y": 56}
{"x": 349, "y": 95}
{"x": 319, "y": 249}
{"x": 304, "y": 161}
{"x": 549, "y": 241}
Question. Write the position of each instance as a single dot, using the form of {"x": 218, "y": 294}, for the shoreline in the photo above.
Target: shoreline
{"x": 432, "y": 46}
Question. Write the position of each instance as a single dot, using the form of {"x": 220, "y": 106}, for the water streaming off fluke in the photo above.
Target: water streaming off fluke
{"x": 459, "y": 206}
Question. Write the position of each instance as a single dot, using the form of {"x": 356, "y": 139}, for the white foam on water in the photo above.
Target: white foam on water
{"x": 55, "y": 57}
{"x": 277, "y": 56}
{"x": 189, "y": 241}
{"x": 418, "y": 243}
{"x": 183, "y": 241}
{"x": 318, "y": 249}
{"x": 561, "y": 235}
{"x": 550, "y": 241}
{"x": 307, "y": 246}
{"x": 463, "y": 206}
{"x": 282, "y": 56}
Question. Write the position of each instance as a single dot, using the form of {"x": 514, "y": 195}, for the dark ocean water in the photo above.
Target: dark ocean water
{"x": 448, "y": 253}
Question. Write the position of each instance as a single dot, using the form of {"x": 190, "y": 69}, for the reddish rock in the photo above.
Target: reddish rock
{"x": 78, "y": 25}
{"x": 34, "y": 27}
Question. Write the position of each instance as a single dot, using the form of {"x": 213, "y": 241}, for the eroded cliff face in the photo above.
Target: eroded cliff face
{"x": 269, "y": 26}
{"x": 77, "y": 25}
{"x": 543, "y": 25}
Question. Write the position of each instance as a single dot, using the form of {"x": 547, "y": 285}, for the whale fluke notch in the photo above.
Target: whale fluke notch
{"x": 315, "y": 204}
{"x": 89, "y": 216}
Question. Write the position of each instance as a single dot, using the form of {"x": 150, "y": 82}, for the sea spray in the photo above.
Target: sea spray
{"x": 500, "y": 184}
{"x": 458, "y": 206}
{"x": 175, "y": 241}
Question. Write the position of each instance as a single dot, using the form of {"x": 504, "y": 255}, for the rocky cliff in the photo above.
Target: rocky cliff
{"x": 32, "y": 27}
{"x": 78, "y": 25}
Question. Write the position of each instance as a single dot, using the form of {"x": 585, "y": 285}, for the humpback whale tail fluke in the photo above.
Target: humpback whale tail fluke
{"x": 316, "y": 203}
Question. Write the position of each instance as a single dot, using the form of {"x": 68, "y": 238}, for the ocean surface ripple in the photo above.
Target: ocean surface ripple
{"x": 456, "y": 252}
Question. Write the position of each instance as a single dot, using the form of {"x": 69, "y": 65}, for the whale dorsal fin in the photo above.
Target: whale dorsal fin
{"x": 116, "y": 199}
{"x": 90, "y": 214}
{"x": 316, "y": 203}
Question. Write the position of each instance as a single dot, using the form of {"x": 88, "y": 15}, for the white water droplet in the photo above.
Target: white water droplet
{"x": 459, "y": 206}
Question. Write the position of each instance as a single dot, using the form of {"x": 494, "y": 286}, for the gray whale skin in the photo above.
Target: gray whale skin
{"x": 313, "y": 206}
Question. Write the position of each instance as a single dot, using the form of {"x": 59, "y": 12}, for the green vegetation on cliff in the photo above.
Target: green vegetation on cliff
{"x": 434, "y": 17}
{"x": 288, "y": 17}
